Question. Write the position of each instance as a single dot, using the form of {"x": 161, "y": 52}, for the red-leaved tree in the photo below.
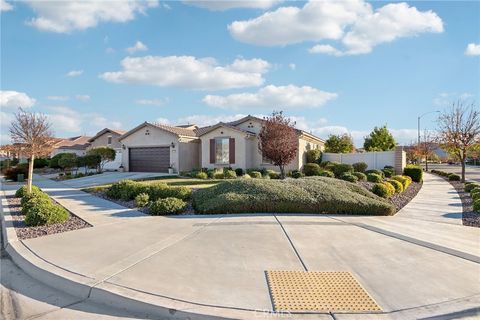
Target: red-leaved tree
{"x": 278, "y": 140}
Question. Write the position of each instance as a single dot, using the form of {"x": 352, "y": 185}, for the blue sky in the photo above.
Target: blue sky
{"x": 334, "y": 67}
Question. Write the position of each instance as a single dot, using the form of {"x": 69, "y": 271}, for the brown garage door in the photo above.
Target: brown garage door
{"x": 151, "y": 159}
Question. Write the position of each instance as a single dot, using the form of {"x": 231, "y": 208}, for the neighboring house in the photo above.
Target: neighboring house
{"x": 109, "y": 138}
{"x": 156, "y": 147}
{"x": 77, "y": 145}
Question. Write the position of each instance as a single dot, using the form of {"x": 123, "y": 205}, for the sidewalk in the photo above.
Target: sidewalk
{"x": 421, "y": 262}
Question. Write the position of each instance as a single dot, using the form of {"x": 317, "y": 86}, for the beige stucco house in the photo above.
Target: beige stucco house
{"x": 156, "y": 147}
{"x": 77, "y": 145}
{"x": 109, "y": 138}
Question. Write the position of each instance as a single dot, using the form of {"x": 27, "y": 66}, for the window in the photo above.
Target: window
{"x": 222, "y": 154}
{"x": 109, "y": 141}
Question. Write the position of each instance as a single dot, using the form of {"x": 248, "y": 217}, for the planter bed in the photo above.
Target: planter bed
{"x": 26, "y": 232}
{"x": 399, "y": 200}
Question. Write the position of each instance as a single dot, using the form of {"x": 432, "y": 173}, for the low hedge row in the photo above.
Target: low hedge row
{"x": 414, "y": 172}
{"x": 308, "y": 195}
{"x": 450, "y": 176}
{"x": 39, "y": 209}
{"x": 474, "y": 189}
{"x": 128, "y": 189}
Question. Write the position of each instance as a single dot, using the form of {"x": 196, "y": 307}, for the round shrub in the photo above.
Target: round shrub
{"x": 373, "y": 177}
{"x": 475, "y": 191}
{"x": 342, "y": 168}
{"x": 229, "y": 174}
{"x": 42, "y": 211}
{"x": 211, "y": 174}
{"x": 326, "y": 173}
{"x": 118, "y": 190}
{"x": 202, "y": 175}
{"x": 397, "y": 185}
{"x": 273, "y": 174}
{"x": 414, "y": 172}
{"x": 360, "y": 166}
{"x": 360, "y": 176}
{"x": 297, "y": 174}
{"x": 476, "y": 206}
{"x": 255, "y": 174}
{"x": 23, "y": 190}
{"x": 329, "y": 165}
{"x": 388, "y": 172}
{"x": 347, "y": 176}
{"x": 453, "y": 177}
{"x": 475, "y": 196}
{"x": 246, "y": 176}
{"x": 391, "y": 188}
{"x": 404, "y": 180}
{"x": 167, "y": 206}
{"x": 314, "y": 156}
{"x": 239, "y": 172}
{"x": 469, "y": 186}
{"x": 382, "y": 190}
{"x": 218, "y": 175}
{"x": 311, "y": 169}
{"x": 26, "y": 202}
{"x": 379, "y": 172}
{"x": 162, "y": 191}
{"x": 141, "y": 200}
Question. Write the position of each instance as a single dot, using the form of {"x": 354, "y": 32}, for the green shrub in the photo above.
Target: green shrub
{"x": 342, "y": 168}
{"x": 390, "y": 187}
{"x": 218, "y": 175}
{"x": 239, "y": 172}
{"x": 475, "y": 196}
{"x": 255, "y": 174}
{"x": 141, "y": 200}
{"x": 397, "y": 185}
{"x": 388, "y": 172}
{"x": 476, "y": 206}
{"x": 414, "y": 172}
{"x": 40, "y": 163}
{"x": 404, "y": 180}
{"x": 326, "y": 173}
{"x": 297, "y": 174}
{"x": 379, "y": 172}
{"x": 475, "y": 191}
{"x": 311, "y": 169}
{"x": 39, "y": 209}
{"x": 453, "y": 177}
{"x": 26, "y": 202}
{"x": 360, "y": 166}
{"x": 373, "y": 177}
{"x": 360, "y": 176}
{"x": 229, "y": 174}
{"x": 202, "y": 175}
{"x": 329, "y": 165}
{"x": 167, "y": 206}
{"x": 211, "y": 174}
{"x": 314, "y": 156}
{"x": 308, "y": 195}
{"x": 161, "y": 191}
{"x": 23, "y": 190}
{"x": 54, "y": 160}
{"x": 382, "y": 190}
{"x": 470, "y": 186}
{"x": 347, "y": 176}
{"x": 246, "y": 176}
{"x": 273, "y": 174}
{"x": 125, "y": 190}
{"x": 13, "y": 172}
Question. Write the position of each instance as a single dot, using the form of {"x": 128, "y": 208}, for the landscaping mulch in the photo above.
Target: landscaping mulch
{"x": 469, "y": 217}
{"x": 399, "y": 200}
{"x": 25, "y": 232}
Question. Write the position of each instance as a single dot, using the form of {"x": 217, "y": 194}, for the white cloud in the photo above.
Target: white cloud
{"x": 203, "y": 120}
{"x": 82, "y": 97}
{"x": 151, "y": 102}
{"x": 292, "y": 66}
{"x": 68, "y": 16}
{"x": 273, "y": 97}
{"x": 58, "y": 98}
{"x": 138, "y": 46}
{"x": 472, "y": 49}
{"x": 162, "y": 121}
{"x": 222, "y": 5}
{"x": 74, "y": 73}
{"x": 14, "y": 99}
{"x": 445, "y": 99}
{"x": 5, "y": 119}
{"x": 5, "y": 6}
{"x": 354, "y": 23}
{"x": 189, "y": 72}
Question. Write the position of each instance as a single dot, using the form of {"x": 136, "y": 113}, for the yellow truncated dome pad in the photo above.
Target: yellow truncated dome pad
{"x": 318, "y": 291}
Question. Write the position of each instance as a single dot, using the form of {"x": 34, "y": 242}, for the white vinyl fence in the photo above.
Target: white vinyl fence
{"x": 374, "y": 160}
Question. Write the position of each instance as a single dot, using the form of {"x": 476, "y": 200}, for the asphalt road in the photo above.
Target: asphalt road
{"x": 472, "y": 173}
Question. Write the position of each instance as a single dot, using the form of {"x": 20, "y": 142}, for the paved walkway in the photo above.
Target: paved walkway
{"x": 420, "y": 263}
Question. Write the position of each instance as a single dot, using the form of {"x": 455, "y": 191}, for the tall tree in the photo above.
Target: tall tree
{"x": 278, "y": 140}
{"x": 380, "y": 139}
{"x": 459, "y": 130}
{"x": 32, "y": 132}
{"x": 426, "y": 147}
{"x": 342, "y": 143}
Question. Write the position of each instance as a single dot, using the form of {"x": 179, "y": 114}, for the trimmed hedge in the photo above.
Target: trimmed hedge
{"x": 256, "y": 174}
{"x": 167, "y": 206}
{"x": 128, "y": 189}
{"x": 388, "y": 172}
{"x": 397, "y": 185}
{"x": 342, "y": 168}
{"x": 229, "y": 174}
{"x": 23, "y": 191}
{"x": 347, "y": 176}
{"x": 360, "y": 166}
{"x": 307, "y": 195}
{"x": 141, "y": 200}
{"x": 453, "y": 177}
{"x": 326, "y": 173}
{"x": 383, "y": 189}
{"x": 414, "y": 172}
{"x": 239, "y": 172}
{"x": 470, "y": 186}
{"x": 476, "y": 206}
{"x": 379, "y": 172}
{"x": 404, "y": 180}
{"x": 360, "y": 176}
{"x": 296, "y": 174}
{"x": 374, "y": 177}
{"x": 202, "y": 175}
{"x": 312, "y": 169}
{"x": 39, "y": 209}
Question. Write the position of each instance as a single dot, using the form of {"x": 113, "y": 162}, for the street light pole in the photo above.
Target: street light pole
{"x": 418, "y": 123}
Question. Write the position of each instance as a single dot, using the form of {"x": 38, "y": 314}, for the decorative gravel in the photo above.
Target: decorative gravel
{"x": 25, "y": 232}
{"x": 399, "y": 200}
{"x": 469, "y": 217}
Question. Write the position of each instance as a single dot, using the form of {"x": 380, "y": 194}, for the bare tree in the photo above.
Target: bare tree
{"x": 426, "y": 147}
{"x": 459, "y": 130}
{"x": 32, "y": 132}
{"x": 278, "y": 140}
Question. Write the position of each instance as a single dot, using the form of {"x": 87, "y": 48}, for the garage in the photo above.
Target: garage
{"x": 149, "y": 159}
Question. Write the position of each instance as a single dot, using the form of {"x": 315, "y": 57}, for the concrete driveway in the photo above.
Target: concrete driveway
{"x": 421, "y": 263}
{"x": 109, "y": 177}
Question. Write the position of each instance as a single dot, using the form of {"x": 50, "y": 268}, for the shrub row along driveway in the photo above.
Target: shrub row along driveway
{"x": 422, "y": 258}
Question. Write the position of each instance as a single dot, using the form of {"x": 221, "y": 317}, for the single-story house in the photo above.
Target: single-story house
{"x": 77, "y": 145}
{"x": 109, "y": 138}
{"x": 154, "y": 147}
